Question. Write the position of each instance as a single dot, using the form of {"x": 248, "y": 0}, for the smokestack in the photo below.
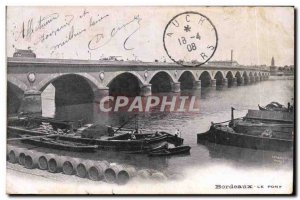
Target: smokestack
{"x": 231, "y": 55}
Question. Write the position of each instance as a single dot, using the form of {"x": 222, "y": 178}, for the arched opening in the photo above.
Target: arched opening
{"x": 251, "y": 77}
{"x": 239, "y": 78}
{"x": 68, "y": 97}
{"x": 260, "y": 76}
{"x": 14, "y": 98}
{"x": 205, "y": 79}
{"x": 256, "y": 77}
{"x": 229, "y": 77}
{"x": 71, "y": 90}
{"x": 161, "y": 82}
{"x": 186, "y": 80}
{"x": 125, "y": 84}
{"x": 219, "y": 78}
{"x": 246, "y": 78}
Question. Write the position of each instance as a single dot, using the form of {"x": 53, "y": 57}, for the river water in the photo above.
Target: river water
{"x": 215, "y": 106}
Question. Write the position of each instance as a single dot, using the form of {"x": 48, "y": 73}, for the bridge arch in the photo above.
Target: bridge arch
{"x": 219, "y": 76}
{"x": 94, "y": 83}
{"x": 256, "y": 76}
{"x": 161, "y": 81}
{"x": 19, "y": 84}
{"x": 186, "y": 79}
{"x": 230, "y": 77}
{"x": 71, "y": 88}
{"x": 239, "y": 78}
{"x": 171, "y": 76}
{"x": 246, "y": 77}
{"x": 14, "y": 97}
{"x": 205, "y": 78}
{"x": 126, "y": 84}
{"x": 251, "y": 77}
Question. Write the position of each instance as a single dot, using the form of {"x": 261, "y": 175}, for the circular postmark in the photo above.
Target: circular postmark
{"x": 190, "y": 39}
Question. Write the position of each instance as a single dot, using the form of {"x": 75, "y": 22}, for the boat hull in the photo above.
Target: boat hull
{"x": 61, "y": 146}
{"x": 170, "y": 152}
{"x": 231, "y": 138}
{"x": 143, "y": 144}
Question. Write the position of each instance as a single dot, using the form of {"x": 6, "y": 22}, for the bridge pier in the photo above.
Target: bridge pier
{"x": 197, "y": 85}
{"x": 257, "y": 78}
{"x": 175, "y": 87}
{"x": 234, "y": 81}
{"x": 31, "y": 103}
{"x": 246, "y": 80}
{"x": 213, "y": 82}
{"x": 252, "y": 79}
{"x": 100, "y": 93}
{"x": 146, "y": 90}
{"x": 240, "y": 81}
{"x": 225, "y": 82}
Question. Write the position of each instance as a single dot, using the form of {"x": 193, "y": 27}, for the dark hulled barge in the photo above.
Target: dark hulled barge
{"x": 259, "y": 129}
{"x": 70, "y": 142}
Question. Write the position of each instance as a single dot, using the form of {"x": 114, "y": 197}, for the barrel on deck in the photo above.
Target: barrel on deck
{"x": 21, "y": 158}
{"x": 69, "y": 165}
{"x": 125, "y": 174}
{"x": 17, "y": 154}
{"x": 42, "y": 162}
{"x": 55, "y": 163}
{"x": 96, "y": 171}
{"x": 144, "y": 174}
{"x": 110, "y": 174}
{"x": 10, "y": 154}
{"x": 8, "y": 149}
{"x": 32, "y": 159}
{"x": 82, "y": 168}
{"x": 158, "y": 176}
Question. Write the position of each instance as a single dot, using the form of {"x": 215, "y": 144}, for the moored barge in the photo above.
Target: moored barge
{"x": 259, "y": 129}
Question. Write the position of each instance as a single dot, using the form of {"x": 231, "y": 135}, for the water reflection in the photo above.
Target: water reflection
{"x": 250, "y": 157}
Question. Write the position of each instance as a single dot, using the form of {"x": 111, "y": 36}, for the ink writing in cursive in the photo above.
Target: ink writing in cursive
{"x": 99, "y": 40}
{"x": 76, "y": 32}
{"x": 45, "y": 36}
{"x": 29, "y": 27}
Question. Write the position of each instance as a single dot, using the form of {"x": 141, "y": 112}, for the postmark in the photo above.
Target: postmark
{"x": 190, "y": 39}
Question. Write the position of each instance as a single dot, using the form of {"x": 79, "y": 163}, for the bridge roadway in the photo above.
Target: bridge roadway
{"x": 82, "y": 81}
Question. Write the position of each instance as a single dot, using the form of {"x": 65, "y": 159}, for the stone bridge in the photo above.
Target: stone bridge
{"x": 82, "y": 81}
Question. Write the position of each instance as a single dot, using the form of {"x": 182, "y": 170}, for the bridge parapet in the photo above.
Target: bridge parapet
{"x": 117, "y": 65}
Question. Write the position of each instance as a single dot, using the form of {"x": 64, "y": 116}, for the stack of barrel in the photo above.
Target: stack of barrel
{"x": 83, "y": 168}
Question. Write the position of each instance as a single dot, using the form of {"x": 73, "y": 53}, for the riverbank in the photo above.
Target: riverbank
{"x": 20, "y": 180}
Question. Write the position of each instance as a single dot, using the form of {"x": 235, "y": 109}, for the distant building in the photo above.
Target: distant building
{"x": 24, "y": 53}
{"x": 281, "y": 71}
{"x": 273, "y": 68}
{"x": 272, "y": 62}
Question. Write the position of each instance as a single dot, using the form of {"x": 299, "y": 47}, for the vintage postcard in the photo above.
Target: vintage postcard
{"x": 167, "y": 100}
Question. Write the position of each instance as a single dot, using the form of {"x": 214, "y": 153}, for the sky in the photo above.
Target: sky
{"x": 255, "y": 34}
